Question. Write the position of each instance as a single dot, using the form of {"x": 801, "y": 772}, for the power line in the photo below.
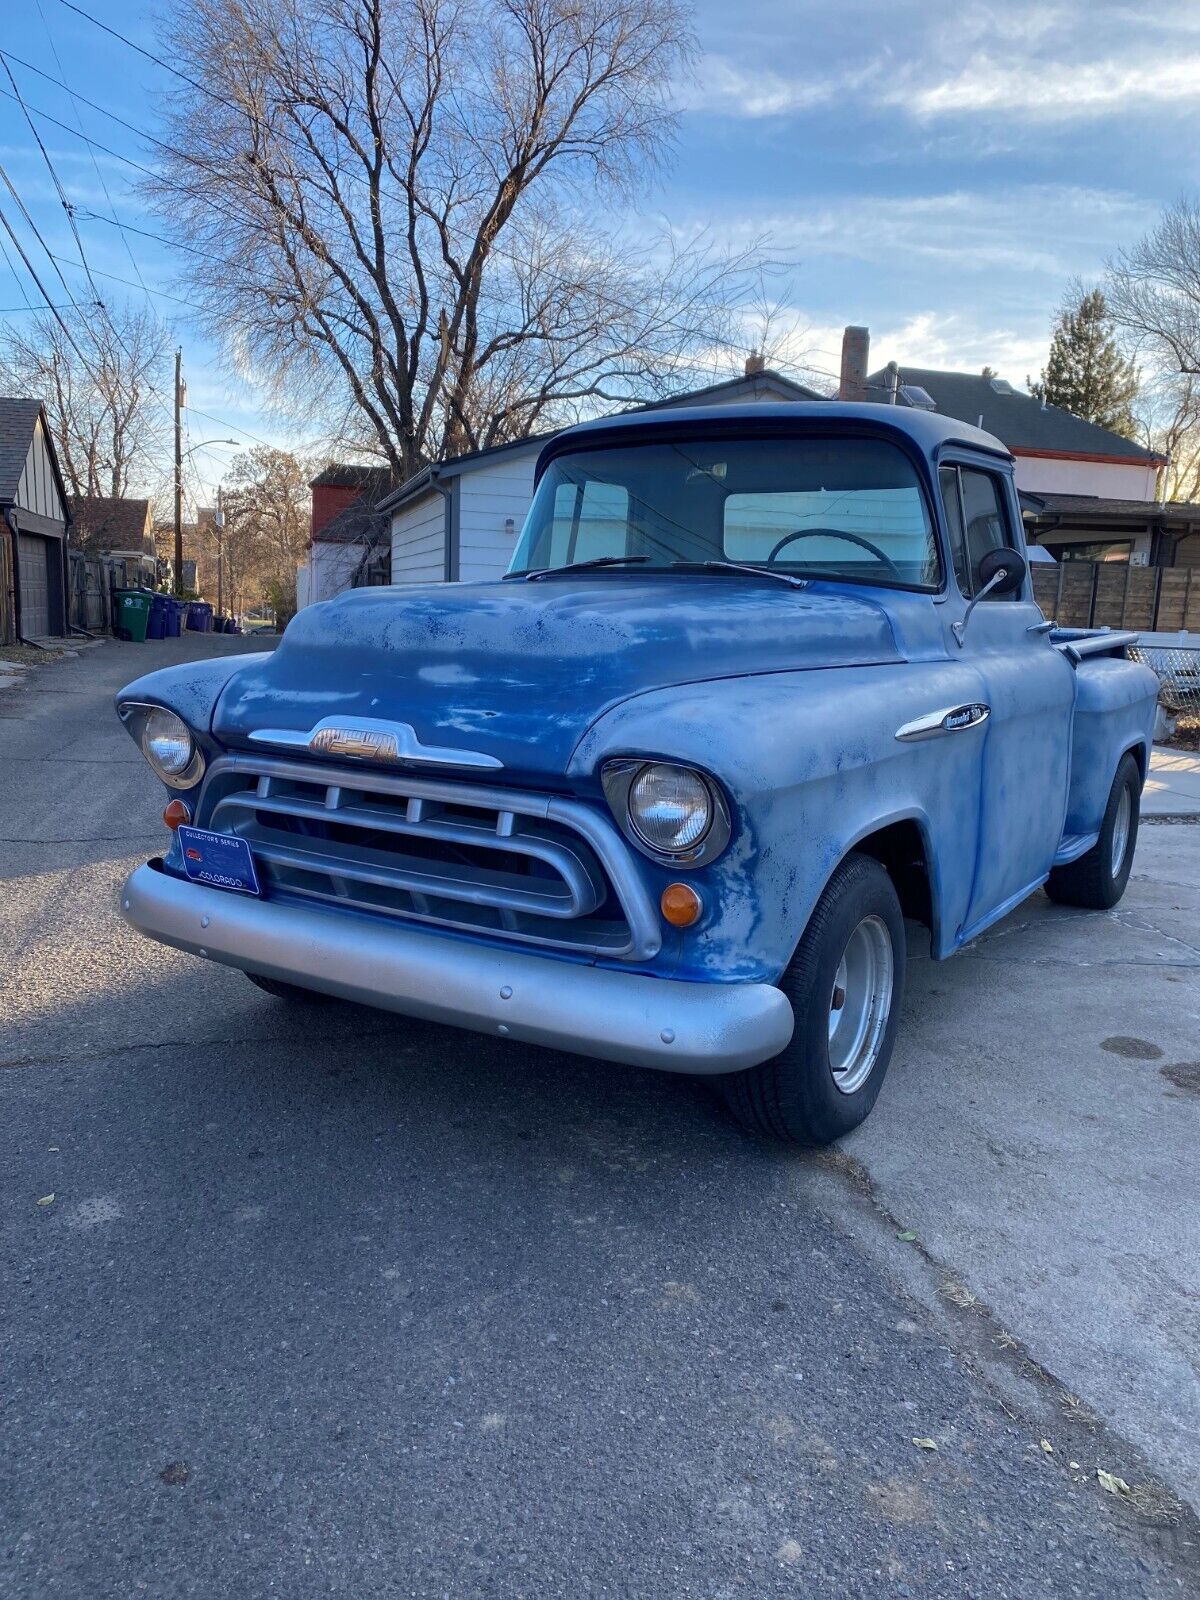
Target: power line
{"x": 36, "y": 231}
{"x": 12, "y": 311}
{"x": 41, "y": 288}
{"x": 159, "y": 396}
{"x": 206, "y": 89}
{"x": 144, "y": 233}
{"x": 129, "y": 284}
{"x": 28, "y": 306}
{"x": 54, "y": 178}
{"x": 79, "y": 121}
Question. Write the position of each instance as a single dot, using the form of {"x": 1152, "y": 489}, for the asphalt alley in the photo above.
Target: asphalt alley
{"x": 329, "y": 1303}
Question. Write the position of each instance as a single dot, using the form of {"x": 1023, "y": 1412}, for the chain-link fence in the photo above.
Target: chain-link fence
{"x": 1178, "y": 670}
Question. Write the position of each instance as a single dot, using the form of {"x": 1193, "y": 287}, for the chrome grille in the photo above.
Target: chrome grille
{"x": 538, "y": 869}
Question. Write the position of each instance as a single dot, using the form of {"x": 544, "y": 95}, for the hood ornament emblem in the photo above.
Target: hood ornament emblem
{"x": 372, "y": 739}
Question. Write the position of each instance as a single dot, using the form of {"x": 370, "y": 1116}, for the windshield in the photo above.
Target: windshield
{"x": 850, "y": 509}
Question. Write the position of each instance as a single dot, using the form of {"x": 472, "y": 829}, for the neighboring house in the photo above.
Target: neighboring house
{"x": 1088, "y": 494}
{"x": 348, "y": 544}
{"x": 35, "y": 515}
{"x": 121, "y": 532}
{"x": 458, "y": 521}
{"x": 199, "y": 549}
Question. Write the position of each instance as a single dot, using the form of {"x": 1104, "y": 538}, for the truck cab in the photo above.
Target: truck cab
{"x": 761, "y": 683}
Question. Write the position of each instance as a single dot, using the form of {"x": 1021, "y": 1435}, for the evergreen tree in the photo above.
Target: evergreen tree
{"x": 1086, "y": 373}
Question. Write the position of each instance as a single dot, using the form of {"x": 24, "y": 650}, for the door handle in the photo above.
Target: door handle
{"x": 950, "y": 719}
{"x": 1041, "y": 627}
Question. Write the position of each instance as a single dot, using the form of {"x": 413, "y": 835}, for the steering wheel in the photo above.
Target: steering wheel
{"x": 836, "y": 533}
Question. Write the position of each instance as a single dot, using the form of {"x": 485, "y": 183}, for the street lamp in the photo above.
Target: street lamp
{"x": 180, "y": 454}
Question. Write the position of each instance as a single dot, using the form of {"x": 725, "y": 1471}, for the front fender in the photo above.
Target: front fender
{"x": 191, "y": 689}
{"x": 811, "y": 765}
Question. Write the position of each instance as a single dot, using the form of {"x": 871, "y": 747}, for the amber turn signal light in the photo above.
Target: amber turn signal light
{"x": 680, "y": 905}
{"x": 175, "y": 813}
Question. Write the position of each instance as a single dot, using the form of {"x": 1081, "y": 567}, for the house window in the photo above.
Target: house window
{"x": 1118, "y": 550}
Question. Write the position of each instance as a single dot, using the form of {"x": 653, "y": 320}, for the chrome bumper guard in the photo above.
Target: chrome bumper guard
{"x": 563, "y": 1005}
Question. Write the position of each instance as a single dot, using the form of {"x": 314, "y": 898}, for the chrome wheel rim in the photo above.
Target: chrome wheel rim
{"x": 860, "y": 1004}
{"x": 1120, "y": 838}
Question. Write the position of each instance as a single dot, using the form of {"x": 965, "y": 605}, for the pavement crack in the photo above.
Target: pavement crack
{"x": 192, "y": 1042}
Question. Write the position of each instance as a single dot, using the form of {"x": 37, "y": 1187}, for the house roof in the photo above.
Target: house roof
{"x": 348, "y": 475}
{"x": 104, "y": 523}
{"x": 18, "y": 419}
{"x": 1025, "y": 424}
{"x": 1063, "y": 509}
{"x": 765, "y": 385}
{"x": 429, "y": 476}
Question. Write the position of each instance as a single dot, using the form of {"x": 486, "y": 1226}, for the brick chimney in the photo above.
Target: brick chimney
{"x": 756, "y": 362}
{"x": 856, "y": 355}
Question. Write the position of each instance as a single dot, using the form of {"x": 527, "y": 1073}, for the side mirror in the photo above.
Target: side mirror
{"x": 1000, "y": 572}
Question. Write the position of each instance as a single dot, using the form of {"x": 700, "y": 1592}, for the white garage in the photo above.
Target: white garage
{"x": 33, "y": 506}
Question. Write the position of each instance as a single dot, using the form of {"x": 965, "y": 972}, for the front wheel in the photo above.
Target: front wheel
{"x": 1098, "y": 879}
{"x": 845, "y": 983}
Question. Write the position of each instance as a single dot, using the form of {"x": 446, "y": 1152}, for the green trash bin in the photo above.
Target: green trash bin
{"x": 133, "y": 614}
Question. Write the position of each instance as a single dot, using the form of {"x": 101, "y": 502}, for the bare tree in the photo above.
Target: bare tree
{"x": 1154, "y": 290}
{"x": 266, "y": 500}
{"x": 406, "y": 208}
{"x": 96, "y": 378}
{"x": 1170, "y": 425}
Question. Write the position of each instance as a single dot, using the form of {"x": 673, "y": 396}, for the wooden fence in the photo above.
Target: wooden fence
{"x": 91, "y": 593}
{"x": 1100, "y": 594}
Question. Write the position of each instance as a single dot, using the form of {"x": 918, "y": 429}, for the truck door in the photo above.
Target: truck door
{"x": 1028, "y": 686}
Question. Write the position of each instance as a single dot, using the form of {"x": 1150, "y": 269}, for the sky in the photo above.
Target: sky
{"x": 939, "y": 172}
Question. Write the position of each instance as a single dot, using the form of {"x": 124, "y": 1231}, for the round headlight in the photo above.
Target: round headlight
{"x": 670, "y": 808}
{"x": 167, "y": 744}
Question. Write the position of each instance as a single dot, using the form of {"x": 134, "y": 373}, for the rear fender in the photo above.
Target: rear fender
{"x": 1114, "y": 713}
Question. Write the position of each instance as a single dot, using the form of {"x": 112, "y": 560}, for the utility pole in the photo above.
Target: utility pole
{"x": 178, "y": 474}
{"x": 219, "y": 521}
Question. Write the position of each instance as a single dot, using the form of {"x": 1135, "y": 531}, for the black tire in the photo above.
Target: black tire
{"x": 1091, "y": 881}
{"x": 794, "y": 1097}
{"x": 291, "y": 991}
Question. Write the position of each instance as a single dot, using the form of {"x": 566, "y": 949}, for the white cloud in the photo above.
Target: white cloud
{"x": 725, "y": 86}
{"x": 1075, "y": 91}
{"x": 1047, "y": 231}
{"x": 1023, "y": 61}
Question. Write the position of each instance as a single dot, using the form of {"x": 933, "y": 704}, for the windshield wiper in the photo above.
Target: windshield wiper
{"x": 576, "y": 566}
{"x": 744, "y": 566}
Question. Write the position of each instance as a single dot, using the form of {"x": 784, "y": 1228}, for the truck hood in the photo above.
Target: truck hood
{"x": 520, "y": 670}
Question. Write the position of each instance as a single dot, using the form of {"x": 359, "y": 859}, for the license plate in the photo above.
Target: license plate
{"x": 222, "y": 860}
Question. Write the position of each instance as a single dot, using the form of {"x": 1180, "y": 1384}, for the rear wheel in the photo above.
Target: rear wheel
{"x": 291, "y": 991}
{"x": 1098, "y": 879}
{"x": 845, "y": 982}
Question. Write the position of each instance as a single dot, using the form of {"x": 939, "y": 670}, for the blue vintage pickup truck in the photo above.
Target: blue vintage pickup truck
{"x": 762, "y": 683}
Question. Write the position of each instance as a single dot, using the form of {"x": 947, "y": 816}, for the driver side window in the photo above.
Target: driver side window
{"x": 977, "y": 522}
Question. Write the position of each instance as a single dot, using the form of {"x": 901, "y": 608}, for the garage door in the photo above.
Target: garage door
{"x": 35, "y": 587}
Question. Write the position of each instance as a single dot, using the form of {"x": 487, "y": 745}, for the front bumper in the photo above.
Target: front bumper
{"x": 596, "y": 1011}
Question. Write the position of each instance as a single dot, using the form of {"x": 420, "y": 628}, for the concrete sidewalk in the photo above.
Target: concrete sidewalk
{"x": 1038, "y": 1130}
{"x": 1173, "y": 787}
